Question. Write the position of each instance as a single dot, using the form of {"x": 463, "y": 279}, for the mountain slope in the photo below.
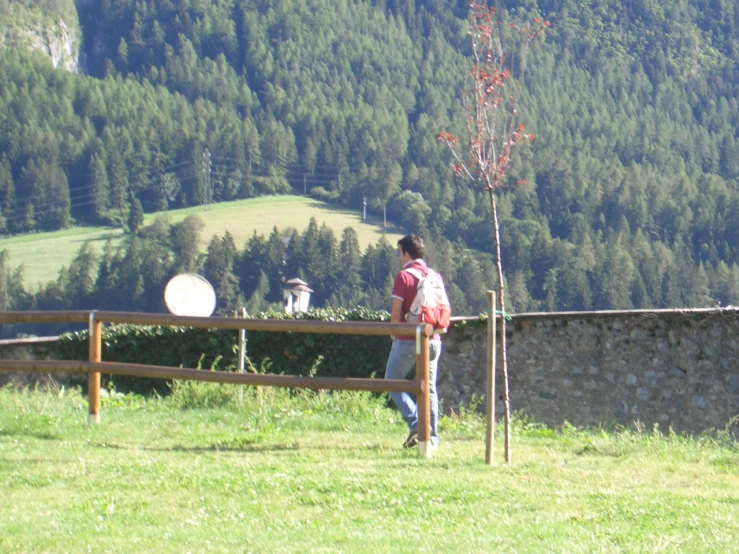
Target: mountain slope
{"x": 632, "y": 195}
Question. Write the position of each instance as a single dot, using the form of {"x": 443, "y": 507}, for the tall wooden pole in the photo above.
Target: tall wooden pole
{"x": 425, "y": 449}
{"x": 490, "y": 431}
{"x": 93, "y": 377}
{"x": 503, "y": 336}
{"x": 242, "y": 355}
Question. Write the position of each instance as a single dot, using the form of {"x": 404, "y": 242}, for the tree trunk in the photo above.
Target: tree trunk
{"x": 503, "y": 339}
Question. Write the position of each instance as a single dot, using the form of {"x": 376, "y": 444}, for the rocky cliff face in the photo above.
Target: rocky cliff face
{"x": 22, "y": 27}
{"x": 59, "y": 42}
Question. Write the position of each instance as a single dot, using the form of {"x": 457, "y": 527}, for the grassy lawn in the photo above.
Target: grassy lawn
{"x": 242, "y": 217}
{"x": 325, "y": 473}
{"x": 44, "y": 254}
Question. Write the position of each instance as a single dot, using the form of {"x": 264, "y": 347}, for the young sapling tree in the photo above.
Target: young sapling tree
{"x": 493, "y": 130}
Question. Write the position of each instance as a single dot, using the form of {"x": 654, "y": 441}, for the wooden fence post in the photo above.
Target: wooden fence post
{"x": 490, "y": 390}
{"x": 93, "y": 377}
{"x": 242, "y": 356}
{"x": 425, "y": 448}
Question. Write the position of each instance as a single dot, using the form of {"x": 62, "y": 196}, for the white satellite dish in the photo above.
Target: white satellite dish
{"x": 190, "y": 294}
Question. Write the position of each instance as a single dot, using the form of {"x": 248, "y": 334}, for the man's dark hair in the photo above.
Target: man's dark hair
{"x": 411, "y": 245}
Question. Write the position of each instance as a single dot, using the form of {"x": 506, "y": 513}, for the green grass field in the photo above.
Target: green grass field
{"x": 317, "y": 472}
{"x": 43, "y": 254}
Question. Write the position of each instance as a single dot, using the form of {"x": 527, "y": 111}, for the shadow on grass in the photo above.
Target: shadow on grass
{"x": 104, "y": 238}
{"x": 392, "y": 229}
{"x": 30, "y": 434}
{"x": 225, "y": 448}
{"x": 109, "y": 445}
{"x": 243, "y": 447}
{"x": 233, "y": 446}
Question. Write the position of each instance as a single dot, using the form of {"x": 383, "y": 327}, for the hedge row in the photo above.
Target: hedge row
{"x": 280, "y": 353}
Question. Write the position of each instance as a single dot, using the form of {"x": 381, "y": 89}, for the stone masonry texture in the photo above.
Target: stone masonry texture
{"x": 678, "y": 371}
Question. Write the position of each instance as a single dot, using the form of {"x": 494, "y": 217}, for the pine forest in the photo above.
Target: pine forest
{"x": 627, "y": 198}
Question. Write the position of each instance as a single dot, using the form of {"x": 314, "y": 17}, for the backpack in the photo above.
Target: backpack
{"x": 431, "y": 304}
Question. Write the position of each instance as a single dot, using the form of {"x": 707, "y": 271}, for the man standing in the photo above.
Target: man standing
{"x": 402, "y": 357}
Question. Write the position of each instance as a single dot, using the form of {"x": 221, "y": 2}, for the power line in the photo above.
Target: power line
{"x": 207, "y": 168}
{"x": 76, "y": 186}
{"x": 43, "y": 208}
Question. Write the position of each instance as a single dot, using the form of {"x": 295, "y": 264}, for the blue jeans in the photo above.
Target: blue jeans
{"x": 400, "y": 363}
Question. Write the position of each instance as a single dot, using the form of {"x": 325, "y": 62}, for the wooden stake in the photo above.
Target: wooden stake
{"x": 93, "y": 377}
{"x": 425, "y": 449}
{"x": 490, "y": 431}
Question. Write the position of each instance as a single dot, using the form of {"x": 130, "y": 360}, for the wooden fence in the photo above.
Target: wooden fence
{"x": 95, "y": 365}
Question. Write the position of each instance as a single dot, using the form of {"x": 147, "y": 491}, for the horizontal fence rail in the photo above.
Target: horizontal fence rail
{"x": 275, "y": 325}
{"x": 94, "y": 367}
{"x": 229, "y": 377}
{"x": 75, "y": 316}
{"x": 227, "y": 323}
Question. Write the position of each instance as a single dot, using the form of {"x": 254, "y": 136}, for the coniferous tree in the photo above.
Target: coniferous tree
{"x": 185, "y": 242}
{"x": 98, "y": 187}
{"x": 7, "y": 194}
{"x": 258, "y": 300}
{"x": 81, "y": 278}
{"x": 166, "y": 185}
{"x": 13, "y": 295}
{"x": 274, "y": 264}
{"x": 57, "y": 203}
{"x": 348, "y": 288}
{"x": 106, "y": 282}
{"x": 521, "y": 301}
{"x": 295, "y": 256}
{"x": 218, "y": 270}
{"x": 249, "y": 264}
{"x": 135, "y": 215}
{"x": 118, "y": 178}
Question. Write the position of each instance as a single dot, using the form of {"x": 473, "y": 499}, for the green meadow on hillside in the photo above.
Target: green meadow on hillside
{"x": 43, "y": 254}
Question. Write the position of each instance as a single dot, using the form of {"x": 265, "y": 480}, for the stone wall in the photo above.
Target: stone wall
{"x": 37, "y": 348}
{"x": 675, "y": 369}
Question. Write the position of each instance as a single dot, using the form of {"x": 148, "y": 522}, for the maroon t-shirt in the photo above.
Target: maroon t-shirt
{"x": 405, "y": 288}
